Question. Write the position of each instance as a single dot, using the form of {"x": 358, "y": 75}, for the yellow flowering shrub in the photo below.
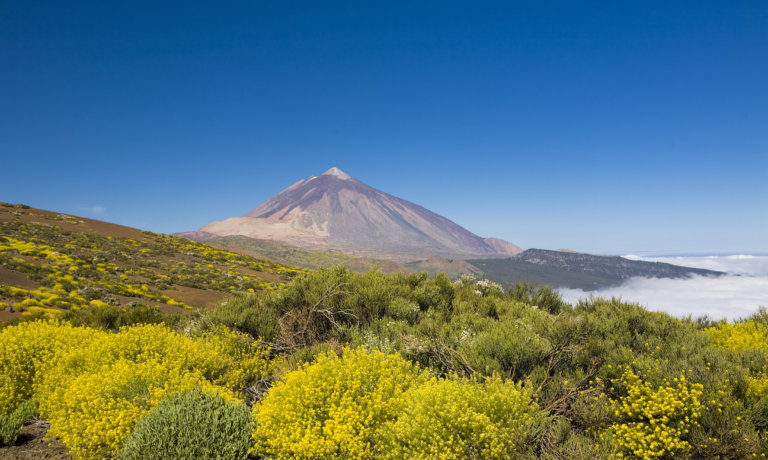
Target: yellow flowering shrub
{"x": 96, "y": 394}
{"x": 42, "y": 313}
{"x": 93, "y": 386}
{"x": 746, "y": 335}
{"x": 460, "y": 419}
{"x": 742, "y": 337}
{"x": 95, "y": 411}
{"x": 757, "y": 386}
{"x": 333, "y": 407}
{"x": 220, "y": 356}
{"x": 28, "y": 350}
{"x": 654, "y": 423}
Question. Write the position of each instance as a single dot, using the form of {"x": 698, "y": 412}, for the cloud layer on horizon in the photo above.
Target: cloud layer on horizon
{"x": 736, "y": 295}
{"x": 739, "y": 264}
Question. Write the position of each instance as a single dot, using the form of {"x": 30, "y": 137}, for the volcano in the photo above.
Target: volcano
{"x": 334, "y": 211}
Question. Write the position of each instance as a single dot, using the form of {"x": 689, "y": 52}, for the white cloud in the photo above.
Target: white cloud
{"x": 742, "y": 264}
{"x": 735, "y": 295}
{"x": 93, "y": 210}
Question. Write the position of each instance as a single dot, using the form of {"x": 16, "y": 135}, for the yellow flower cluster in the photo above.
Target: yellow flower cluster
{"x": 655, "y": 423}
{"x": 459, "y": 419}
{"x": 28, "y": 351}
{"x": 757, "y": 385}
{"x": 42, "y": 313}
{"x": 93, "y": 386}
{"x": 334, "y": 407}
{"x": 746, "y": 335}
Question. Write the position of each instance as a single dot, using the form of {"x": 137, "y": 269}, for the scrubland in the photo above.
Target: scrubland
{"x": 337, "y": 364}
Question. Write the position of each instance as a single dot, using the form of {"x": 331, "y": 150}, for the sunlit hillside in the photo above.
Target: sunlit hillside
{"x": 52, "y": 263}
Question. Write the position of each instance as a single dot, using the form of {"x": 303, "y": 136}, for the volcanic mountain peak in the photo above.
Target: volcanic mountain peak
{"x": 337, "y": 173}
{"x": 336, "y": 211}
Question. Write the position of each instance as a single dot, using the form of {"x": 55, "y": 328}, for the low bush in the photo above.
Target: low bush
{"x": 249, "y": 314}
{"x": 10, "y": 425}
{"x": 543, "y": 297}
{"x": 506, "y": 347}
{"x": 193, "y": 424}
{"x": 113, "y": 318}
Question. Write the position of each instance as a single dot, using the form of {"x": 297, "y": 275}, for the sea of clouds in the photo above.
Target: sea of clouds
{"x": 738, "y": 294}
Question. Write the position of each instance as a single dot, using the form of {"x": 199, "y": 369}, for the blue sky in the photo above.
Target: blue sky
{"x": 609, "y": 127}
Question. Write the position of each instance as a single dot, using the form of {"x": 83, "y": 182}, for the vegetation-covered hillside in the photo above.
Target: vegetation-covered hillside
{"x": 53, "y": 263}
{"x": 338, "y": 364}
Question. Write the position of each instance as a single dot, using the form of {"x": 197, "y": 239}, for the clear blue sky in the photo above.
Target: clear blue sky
{"x": 608, "y": 127}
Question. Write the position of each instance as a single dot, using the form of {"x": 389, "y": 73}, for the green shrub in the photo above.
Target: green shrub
{"x": 544, "y": 297}
{"x": 10, "y": 428}
{"x": 113, "y": 318}
{"x": 251, "y": 314}
{"x": 329, "y": 303}
{"x": 193, "y": 424}
{"x": 464, "y": 419}
{"x": 506, "y": 347}
{"x": 10, "y": 425}
{"x": 403, "y": 309}
{"x": 306, "y": 355}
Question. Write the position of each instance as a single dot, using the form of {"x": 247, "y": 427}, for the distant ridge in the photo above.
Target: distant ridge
{"x": 334, "y": 211}
{"x": 577, "y": 270}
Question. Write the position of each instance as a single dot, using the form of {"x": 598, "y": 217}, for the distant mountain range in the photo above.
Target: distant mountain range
{"x": 336, "y": 219}
{"x": 334, "y": 211}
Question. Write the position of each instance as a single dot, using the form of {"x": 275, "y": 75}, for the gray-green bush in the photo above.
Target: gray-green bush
{"x": 10, "y": 425}
{"x": 193, "y": 424}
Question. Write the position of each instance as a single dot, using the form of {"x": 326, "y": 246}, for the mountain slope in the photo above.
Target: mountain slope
{"x": 51, "y": 262}
{"x": 335, "y": 211}
{"x": 286, "y": 254}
